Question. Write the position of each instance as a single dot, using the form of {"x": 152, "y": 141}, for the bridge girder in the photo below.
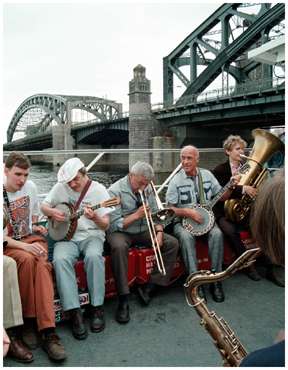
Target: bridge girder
{"x": 120, "y": 125}
{"x": 58, "y": 108}
{"x": 191, "y": 51}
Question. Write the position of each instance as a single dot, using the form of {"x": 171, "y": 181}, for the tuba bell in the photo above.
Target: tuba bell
{"x": 253, "y": 173}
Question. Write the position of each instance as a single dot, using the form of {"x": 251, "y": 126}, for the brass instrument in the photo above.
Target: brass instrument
{"x": 153, "y": 234}
{"x": 224, "y": 338}
{"x": 252, "y": 173}
{"x": 164, "y": 215}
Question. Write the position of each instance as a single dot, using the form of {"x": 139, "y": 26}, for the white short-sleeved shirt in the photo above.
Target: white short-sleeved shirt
{"x": 96, "y": 194}
{"x": 183, "y": 190}
{"x": 23, "y": 205}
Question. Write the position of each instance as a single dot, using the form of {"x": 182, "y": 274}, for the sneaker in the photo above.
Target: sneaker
{"x": 52, "y": 345}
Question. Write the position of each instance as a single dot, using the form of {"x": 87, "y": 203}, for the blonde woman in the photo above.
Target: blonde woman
{"x": 234, "y": 146}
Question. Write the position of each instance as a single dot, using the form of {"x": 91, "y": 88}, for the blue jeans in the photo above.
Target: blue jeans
{"x": 188, "y": 248}
{"x": 66, "y": 253}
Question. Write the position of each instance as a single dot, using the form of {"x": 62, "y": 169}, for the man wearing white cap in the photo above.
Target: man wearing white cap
{"x": 87, "y": 240}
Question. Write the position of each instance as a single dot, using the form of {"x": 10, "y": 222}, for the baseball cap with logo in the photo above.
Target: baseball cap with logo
{"x": 69, "y": 170}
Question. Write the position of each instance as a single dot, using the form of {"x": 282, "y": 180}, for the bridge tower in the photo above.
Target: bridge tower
{"x": 141, "y": 121}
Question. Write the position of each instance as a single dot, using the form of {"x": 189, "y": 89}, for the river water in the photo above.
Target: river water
{"x": 45, "y": 176}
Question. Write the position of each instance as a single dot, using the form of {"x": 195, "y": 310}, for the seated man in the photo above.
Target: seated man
{"x": 192, "y": 186}
{"x": 12, "y": 312}
{"x": 30, "y": 253}
{"x": 73, "y": 186}
{"x": 129, "y": 227}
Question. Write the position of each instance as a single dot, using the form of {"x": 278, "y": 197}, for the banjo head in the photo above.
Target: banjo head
{"x": 200, "y": 229}
{"x": 59, "y": 230}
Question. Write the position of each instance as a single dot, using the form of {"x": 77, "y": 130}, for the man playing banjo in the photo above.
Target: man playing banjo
{"x": 76, "y": 189}
{"x": 193, "y": 186}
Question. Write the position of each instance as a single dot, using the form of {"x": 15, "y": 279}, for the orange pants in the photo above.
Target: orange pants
{"x": 35, "y": 285}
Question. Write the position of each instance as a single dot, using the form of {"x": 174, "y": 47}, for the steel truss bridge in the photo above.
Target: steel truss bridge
{"x": 216, "y": 49}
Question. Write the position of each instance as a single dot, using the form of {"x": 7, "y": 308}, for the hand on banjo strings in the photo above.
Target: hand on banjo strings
{"x": 58, "y": 215}
{"x": 196, "y": 216}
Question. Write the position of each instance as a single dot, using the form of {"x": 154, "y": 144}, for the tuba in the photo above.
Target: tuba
{"x": 252, "y": 173}
{"x": 224, "y": 338}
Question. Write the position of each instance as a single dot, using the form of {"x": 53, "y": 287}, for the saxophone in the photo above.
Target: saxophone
{"x": 224, "y": 338}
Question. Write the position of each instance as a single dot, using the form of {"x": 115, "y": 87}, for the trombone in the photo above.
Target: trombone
{"x": 164, "y": 215}
{"x": 153, "y": 235}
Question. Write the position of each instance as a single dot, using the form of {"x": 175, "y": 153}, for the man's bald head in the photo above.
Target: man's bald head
{"x": 189, "y": 158}
{"x": 190, "y": 150}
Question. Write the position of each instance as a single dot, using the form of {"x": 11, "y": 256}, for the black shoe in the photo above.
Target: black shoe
{"x": 145, "y": 292}
{"x": 217, "y": 292}
{"x": 276, "y": 274}
{"x": 252, "y": 273}
{"x": 97, "y": 321}
{"x": 201, "y": 292}
{"x": 78, "y": 327}
{"x": 122, "y": 313}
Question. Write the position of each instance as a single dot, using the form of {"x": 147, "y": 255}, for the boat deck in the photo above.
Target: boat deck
{"x": 168, "y": 331}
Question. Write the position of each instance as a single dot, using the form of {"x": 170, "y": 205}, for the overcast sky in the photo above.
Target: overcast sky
{"x": 90, "y": 48}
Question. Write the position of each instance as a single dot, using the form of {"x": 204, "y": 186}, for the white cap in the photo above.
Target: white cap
{"x": 69, "y": 170}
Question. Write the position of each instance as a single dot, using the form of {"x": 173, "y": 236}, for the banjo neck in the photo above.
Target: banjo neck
{"x": 220, "y": 193}
{"x": 80, "y": 213}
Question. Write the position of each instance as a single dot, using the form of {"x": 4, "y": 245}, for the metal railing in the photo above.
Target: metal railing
{"x": 256, "y": 86}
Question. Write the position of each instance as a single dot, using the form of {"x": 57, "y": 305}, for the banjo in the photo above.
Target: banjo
{"x": 207, "y": 214}
{"x": 64, "y": 230}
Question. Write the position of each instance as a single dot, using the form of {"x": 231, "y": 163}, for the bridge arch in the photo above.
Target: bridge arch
{"x": 105, "y": 133}
{"x": 44, "y": 110}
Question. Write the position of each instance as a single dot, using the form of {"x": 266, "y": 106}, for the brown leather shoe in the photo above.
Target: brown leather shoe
{"x": 52, "y": 345}
{"x": 19, "y": 352}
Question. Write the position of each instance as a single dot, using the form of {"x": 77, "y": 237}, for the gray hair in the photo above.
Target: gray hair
{"x": 190, "y": 148}
{"x": 142, "y": 169}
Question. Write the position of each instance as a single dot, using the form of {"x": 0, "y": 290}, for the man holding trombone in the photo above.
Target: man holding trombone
{"x": 133, "y": 223}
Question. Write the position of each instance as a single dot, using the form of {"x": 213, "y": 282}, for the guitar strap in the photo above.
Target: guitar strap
{"x": 13, "y": 224}
{"x": 201, "y": 188}
{"x": 83, "y": 192}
